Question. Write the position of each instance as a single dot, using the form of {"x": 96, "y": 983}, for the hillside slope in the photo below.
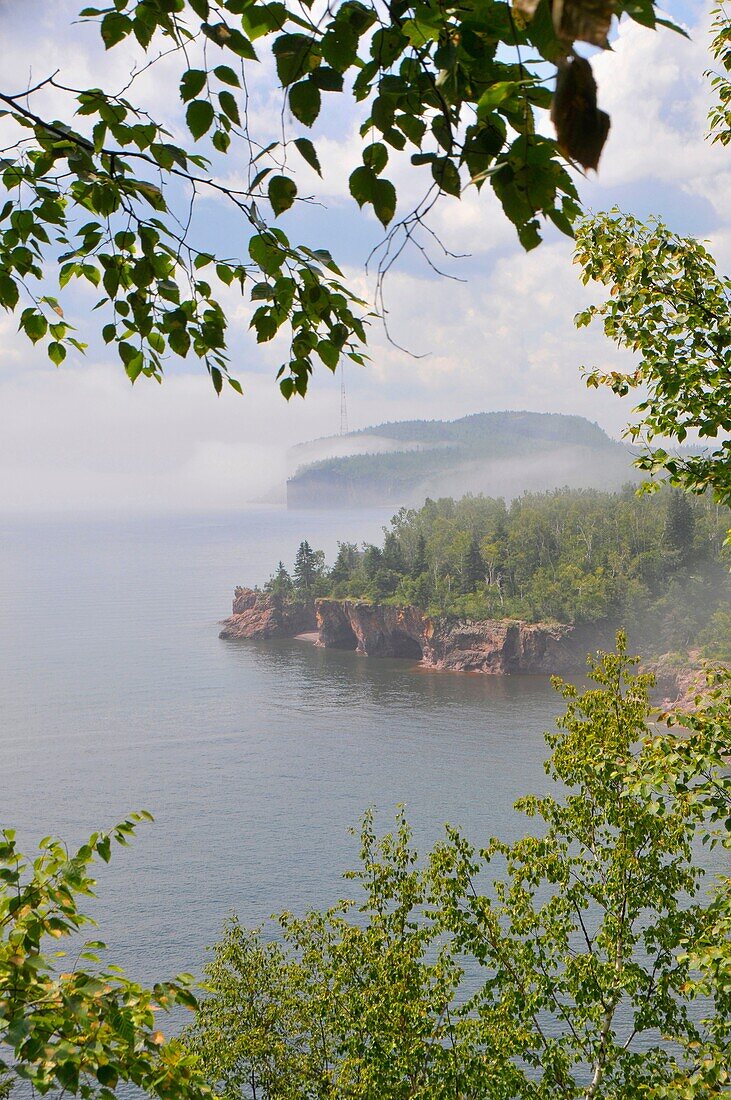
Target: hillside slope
{"x": 498, "y": 453}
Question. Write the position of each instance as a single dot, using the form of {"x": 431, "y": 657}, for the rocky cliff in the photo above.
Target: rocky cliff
{"x": 498, "y": 646}
{"x": 256, "y": 614}
{"x": 502, "y": 647}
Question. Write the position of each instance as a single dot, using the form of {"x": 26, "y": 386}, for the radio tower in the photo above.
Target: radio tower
{"x": 343, "y": 402}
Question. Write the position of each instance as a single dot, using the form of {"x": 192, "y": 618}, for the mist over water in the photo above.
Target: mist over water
{"x": 255, "y": 758}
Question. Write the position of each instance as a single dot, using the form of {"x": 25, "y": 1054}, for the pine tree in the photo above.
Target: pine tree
{"x": 393, "y": 556}
{"x": 280, "y": 584}
{"x": 420, "y": 564}
{"x": 474, "y": 569}
{"x": 679, "y": 523}
{"x": 345, "y": 564}
{"x": 308, "y": 568}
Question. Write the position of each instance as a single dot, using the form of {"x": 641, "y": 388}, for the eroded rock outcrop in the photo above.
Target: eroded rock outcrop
{"x": 257, "y": 614}
{"x": 376, "y": 630}
{"x": 498, "y": 646}
{"x": 501, "y": 647}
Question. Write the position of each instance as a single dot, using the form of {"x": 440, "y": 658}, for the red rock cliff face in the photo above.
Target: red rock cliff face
{"x": 258, "y": 615}
{"x": 501, "y": 647}
{"x": 371, "y": 629}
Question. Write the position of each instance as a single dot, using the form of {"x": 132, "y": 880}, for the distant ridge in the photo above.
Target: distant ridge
{"x": 495, "y": 453}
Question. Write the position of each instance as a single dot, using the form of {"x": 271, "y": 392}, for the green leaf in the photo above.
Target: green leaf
{"x": 642, "y": 11}
{"x": 107, "y": 1076}
{"x": 229, "y": 106}
{"x": 134, "y": 368}
{"x": 426, "y": 28}
{"x": 268, "y": 257}
{"x": 367, "y": 187}
{"x": 305, "y": 101}
{"x": 329, "y": 353}
{"x": 340, "y": 45}
{"x": 295, "y": 55}
{"x": 309, "y": 153}
{"x": 227, "y": 75}
{"x": 193, "y": 82}
{"x": 496, "y": 95}
{"x": 35, "y": 326}
{"x": 8, "y": 291}
{"x": 282, "y": 193}
{"x": 446, "y": 175}
{"x": 361, "y": 184}
{"x": 199, "y": 117}
{"x": 56, "y": 352}
{"x": 375, "y": 156}
{"x": 114, "y": 28}
{"x": 327, "y": 79}
{"x": 384, "y": 200}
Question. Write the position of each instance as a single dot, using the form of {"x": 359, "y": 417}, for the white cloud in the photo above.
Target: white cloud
{"x": 653, "y": 87}
{"x": 82, "y": 437}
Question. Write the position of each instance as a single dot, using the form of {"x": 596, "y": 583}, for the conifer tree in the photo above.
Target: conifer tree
{"x": 679, "y": 523}
{"x": 474, "y": 571}
{"x": 308, "y": 568}
{"x": 420, "y": 564}
{"x": 280, "y": 585}
{"x": 345, "y": 563}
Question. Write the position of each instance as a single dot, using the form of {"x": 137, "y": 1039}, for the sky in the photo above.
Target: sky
{"x": 502, "y": 337}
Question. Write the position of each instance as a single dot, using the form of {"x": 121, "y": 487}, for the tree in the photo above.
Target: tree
{"x": 669, "y": 305}
{"x": 679, "y": 524}
{"x": 345, "y": 563}
{"x": 420, "y": 564}
{"x": 719, "y": 116}
{"x": 592, "y": 966}
{"x": 102, "y": 194}
{"x": 474, "y": 571}
{"x": 280, "y": 585}
{"x": 567, "y": 555}
{"x": 393, "y": 555}
{"x": 87, "y": 1029}
{"x": 309, "y": 567}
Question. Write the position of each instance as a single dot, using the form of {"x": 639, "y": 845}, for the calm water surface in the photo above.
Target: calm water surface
{"x": 255, "y": 758}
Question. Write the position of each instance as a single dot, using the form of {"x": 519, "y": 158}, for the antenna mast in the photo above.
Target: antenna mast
{"x": 343, "y": 402}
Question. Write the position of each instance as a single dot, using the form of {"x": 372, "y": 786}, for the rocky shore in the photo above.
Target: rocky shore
{"x": 499, "y": 647}
{"x": 258, "y": 615}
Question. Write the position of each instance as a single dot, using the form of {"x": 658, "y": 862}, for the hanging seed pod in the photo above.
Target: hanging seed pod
{"x": 581, "y": 128}
{"x": 583, "y": 20}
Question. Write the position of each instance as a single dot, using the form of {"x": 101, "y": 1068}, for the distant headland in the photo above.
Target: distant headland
{"x": 494, "y": 453}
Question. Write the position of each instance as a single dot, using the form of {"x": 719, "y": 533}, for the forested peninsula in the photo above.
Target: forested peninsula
{"x": 480, "y": 585}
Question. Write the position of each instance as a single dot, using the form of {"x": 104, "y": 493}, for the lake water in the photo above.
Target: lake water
{"x": 255, "y": 758}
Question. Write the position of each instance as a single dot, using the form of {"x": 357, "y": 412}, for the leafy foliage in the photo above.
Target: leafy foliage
{"x": 83, "y": 1030}
{"x": 653, "y": 563}
{"x": 589, "y": 966}
{"x": 719, "y": 116}
{"x": 104, "y": 196}
{"x": 669, "y": 305}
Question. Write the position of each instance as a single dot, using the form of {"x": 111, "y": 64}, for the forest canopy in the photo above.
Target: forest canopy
{"x": 656, "y": 563}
